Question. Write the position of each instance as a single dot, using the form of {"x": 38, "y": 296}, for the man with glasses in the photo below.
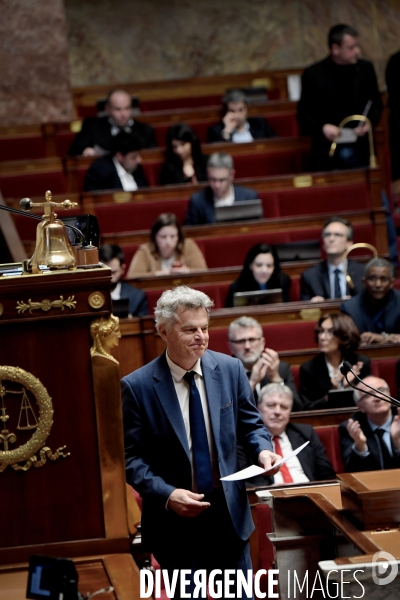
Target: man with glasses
{"x": 376, "y": 311}
{"x": 220, "y": 191}
{"x": 262, "y": 364}
{"x": 327, "y": 280}
{"x": 370, "y": 440}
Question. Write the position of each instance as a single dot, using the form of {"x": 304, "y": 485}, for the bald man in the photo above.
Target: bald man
{"x": 94, "y": 139}
{"x": 370, "y": 440}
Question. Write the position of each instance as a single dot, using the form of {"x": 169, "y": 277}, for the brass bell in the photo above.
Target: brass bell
{"x": 53, "y": 249}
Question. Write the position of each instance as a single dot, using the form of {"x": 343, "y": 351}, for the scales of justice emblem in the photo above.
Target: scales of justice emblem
{"x": 25, "y": 407}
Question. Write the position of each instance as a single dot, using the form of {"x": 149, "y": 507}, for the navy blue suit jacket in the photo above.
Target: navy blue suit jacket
{"x": 363, "y": 312}
{"x": 201, "y": 204}
{"x": 137, "y": 299}
{"x": 102, "y": 175}
{"x": 157, "y": 454}
{"x": 315, "y": 281}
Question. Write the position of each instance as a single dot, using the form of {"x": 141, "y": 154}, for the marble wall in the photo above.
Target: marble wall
{"x": 34, "y": 72}
{"x": 116, "y": 41}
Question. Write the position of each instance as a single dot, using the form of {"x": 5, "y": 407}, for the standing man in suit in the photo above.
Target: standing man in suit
{"x": 370, "y": 440}
{"x": 220, "y": 191}
{"x": 94, "y": 139}
{"x": 184, "y": 414}
{"x": 121, "y": 169}
{"x": 235, "y": 125}
{"x": 327, "y": 280}
{"x": 113, "y": 257}
{"x": 262, "y": 365}
{"x": 339, "y": 86}
{"x": 275, "y": 404}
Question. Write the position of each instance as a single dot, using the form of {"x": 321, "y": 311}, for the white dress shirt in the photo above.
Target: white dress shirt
{"x": 294, "y": 465}
{"x": 128, "y": 182}
{"x": 116, "y": 292}
{"x": 240, "y": 137}
{"x": 182, "y": 391}
{"x": 342, "y": 277}
{"x": 228, "y": 201}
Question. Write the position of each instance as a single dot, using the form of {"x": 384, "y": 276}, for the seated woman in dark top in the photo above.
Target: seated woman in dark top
{"x": 338, "y": 339}
{"x": 184, "y": 161}
{"x": 261, "y": 271}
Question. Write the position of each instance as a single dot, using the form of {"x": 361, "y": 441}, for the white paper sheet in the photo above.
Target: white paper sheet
{"x": 254, "y": 470}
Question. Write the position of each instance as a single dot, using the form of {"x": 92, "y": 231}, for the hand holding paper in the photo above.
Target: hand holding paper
{"x": 254, "y": 470}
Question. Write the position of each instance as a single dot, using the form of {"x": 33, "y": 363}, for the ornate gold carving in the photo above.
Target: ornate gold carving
{"x": 122, "y": 197}
{"x": 105, "y": 334}
{"x": 96, "y": 300}
{"x": 301, "y": 181}
{"x": 27, "y": 420}
{"x": 45, "y": 305}
{"x": 1, "y": 309}
{"x": 310, "y": 314}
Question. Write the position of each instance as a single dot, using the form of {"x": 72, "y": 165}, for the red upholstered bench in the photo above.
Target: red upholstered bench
{"x": 278, "y": 163}
{"x": 386, "y": 369}
{"x": 21, "y": 148}
{"x": 33, "y": 184}
{"x": 320, "y": 200}
{"x": 329, "y": 436}
{"x": 115, "y": 218}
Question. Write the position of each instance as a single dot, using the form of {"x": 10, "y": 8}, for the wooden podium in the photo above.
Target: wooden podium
{"x": 62, "y": 474}
{"x": 345, "y": 522}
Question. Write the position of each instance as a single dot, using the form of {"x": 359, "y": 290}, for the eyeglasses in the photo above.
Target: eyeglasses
{"x": 328, "y": 332}
{"x": 385, "y": 390}
{"x": 335, "y": 234}
{"x": 375, "y": 278}
{"x": 252, "y": 341}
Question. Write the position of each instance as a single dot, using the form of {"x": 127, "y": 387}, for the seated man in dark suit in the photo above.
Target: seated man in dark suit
{"x": 262, "y": 365}
{"x": 112, "y": 256}
{"x": 370, "y": 440}
{"x": 235, "y": 126}
{"x": 119, "y": 170}
{"x": 94, "y": 139}
{"x": 376, "y": 311}
{"x": 219, "y": 192}
{"x": 328, "y": 279}
{"x": 311, "y": 464}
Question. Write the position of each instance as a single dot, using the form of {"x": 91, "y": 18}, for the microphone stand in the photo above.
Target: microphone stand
{"x": 346, "y": 367}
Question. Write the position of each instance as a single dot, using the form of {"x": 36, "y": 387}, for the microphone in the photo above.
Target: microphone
{"x": 346, "y": 368}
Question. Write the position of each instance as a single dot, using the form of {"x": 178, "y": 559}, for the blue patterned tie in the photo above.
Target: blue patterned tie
{"x": 200, "y": 449}
{"x": 338, "y": 291}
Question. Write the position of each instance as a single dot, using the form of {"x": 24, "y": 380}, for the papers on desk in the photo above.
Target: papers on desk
{"x": 254, "y": 470}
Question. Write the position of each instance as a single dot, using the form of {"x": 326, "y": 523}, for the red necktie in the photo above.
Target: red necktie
{"x": 287, "y": 478}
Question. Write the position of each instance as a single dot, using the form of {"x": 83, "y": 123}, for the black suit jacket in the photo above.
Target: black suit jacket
{"x": 315, "y": 281}
{"x": 201, "y": 204}
{"x": 352, "y": 461}
{"x": 96, "y": 131}
{"x": 259, "y": 128}
{"x": 137, "y": 299}
{"x": 320, "y": 103}
{"x": 393, "y": 88}
{"x": 102, "y": 175}
{"x": 285, "y": 373}
{"x": 315, "y": 382}
{"x": 171, "y": 174}
{"x": 313, "y": 458}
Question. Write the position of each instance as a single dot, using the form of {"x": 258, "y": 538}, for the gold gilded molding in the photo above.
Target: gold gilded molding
{"x": 45, "y": 305}
{"x": 27, "y": 420}
{"x": 105, "y": 334}
{"x": 96, "y": 300}
{"x": 301, "y": 181}
{"x": 310, "y": 314}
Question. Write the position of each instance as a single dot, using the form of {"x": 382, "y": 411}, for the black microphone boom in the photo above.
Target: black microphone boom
{"x": 346, "y": 367}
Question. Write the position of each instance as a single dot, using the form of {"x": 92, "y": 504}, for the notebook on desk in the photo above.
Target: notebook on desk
{"x": 257, "y": 297}
{"x": 340, "y": 398}
{"x": 303, "y": 250}
{"x": 239, "y": 211}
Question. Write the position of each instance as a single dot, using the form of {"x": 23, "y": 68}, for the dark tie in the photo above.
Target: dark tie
{"x": 287, "y": 478}
{"x": 386, "y": 461}
{"x": 337, "y": 290}
{"x": 200, "y": 449}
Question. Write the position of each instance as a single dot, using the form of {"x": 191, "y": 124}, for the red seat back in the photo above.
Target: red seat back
{"x": 385, "y": 368}
{"x": 329, "y": 436}
{"x": 33, "y": 184}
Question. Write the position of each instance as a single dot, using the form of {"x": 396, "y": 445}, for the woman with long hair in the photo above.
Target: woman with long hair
{"x": 261, "y": 271}
{"x": 338, "y": 339}
{"x": 184, "y": 162}
{"x": 168, "y": 251}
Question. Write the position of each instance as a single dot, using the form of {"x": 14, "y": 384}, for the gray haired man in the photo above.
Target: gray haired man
{"x": 184, "y": 415}
{"x": 220, "y": 191}
{"x": 262, "y": 364}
